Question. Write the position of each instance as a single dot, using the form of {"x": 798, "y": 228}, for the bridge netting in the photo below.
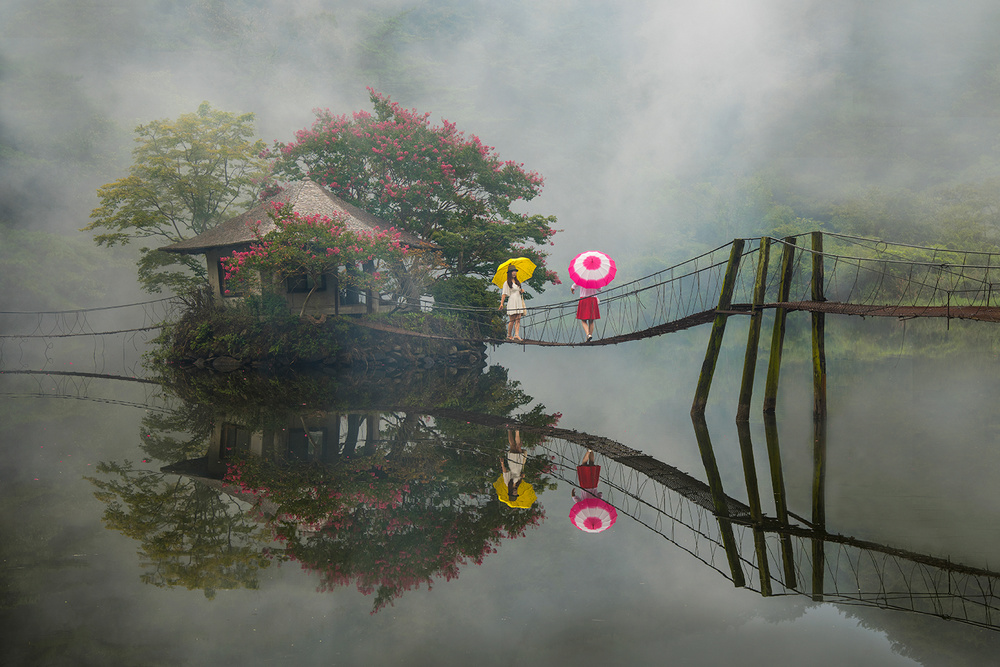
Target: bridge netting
{"x": 819, "y": 272}
{"x": 868, "y": 276}
{"x": 104, "y": 339}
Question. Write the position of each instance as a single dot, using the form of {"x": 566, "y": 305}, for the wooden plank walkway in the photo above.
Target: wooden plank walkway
{"x": 979, "y": 313}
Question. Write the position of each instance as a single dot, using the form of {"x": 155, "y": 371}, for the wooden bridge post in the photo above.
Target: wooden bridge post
{"x": 704, "y": 439}
{"x": 818, "y": 330}
{"x": 778, "y": 334}
{"x": 753, "y": 500}
{"x": 819, "y": 507}
{"x": 753, "y": 335}
{"x": 718, "y": 330}
{"x": 780, "y": 502}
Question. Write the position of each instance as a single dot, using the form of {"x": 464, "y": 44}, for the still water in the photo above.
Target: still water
{"x": 359, "y": 523}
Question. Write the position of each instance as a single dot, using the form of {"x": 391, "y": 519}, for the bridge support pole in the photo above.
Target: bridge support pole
{"x": 778, "y": 334}
{"x": 704, "y": 439}
{"x": 753, "y": 335}
{"x": 818, "y": 330}
{"x": 780, "y": 503}
{"x": 718, "y": 330}
{"x": 753, "y": 500}
{"x": 819, "y": 507}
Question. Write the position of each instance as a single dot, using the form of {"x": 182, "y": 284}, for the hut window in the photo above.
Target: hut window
{"x": 301, "y": 283}
{"x": 223, "y": 286}
{"x": 306, "y": 445}
{"x": 235, "y": 438}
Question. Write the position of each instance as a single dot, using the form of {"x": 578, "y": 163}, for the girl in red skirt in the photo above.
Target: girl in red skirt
{"x": 588, "y": 309}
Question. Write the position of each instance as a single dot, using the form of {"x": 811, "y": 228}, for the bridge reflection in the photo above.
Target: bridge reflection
{"x": 428, "y": 470}
{"x": 783, "y": 554}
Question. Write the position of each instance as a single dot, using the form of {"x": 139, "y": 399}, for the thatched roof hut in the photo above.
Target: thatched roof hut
{"x": 306, "y": 198}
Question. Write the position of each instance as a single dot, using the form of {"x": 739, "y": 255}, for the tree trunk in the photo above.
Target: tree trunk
{"x": 408, "y": 288}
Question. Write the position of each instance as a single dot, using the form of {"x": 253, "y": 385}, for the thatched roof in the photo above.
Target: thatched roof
{"x": 306, "y": 198}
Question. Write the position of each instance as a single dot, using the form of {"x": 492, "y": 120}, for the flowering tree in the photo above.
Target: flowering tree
{"x": 313, "y": 246}
{"x": 431, "y": 180}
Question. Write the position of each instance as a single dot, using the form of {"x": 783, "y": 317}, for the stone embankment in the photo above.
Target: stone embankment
{"x": 392, "y": 354}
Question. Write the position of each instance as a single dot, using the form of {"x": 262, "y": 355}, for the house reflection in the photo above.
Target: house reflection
{"x": 318, "y": 437}
{"x": 385, "y": 501}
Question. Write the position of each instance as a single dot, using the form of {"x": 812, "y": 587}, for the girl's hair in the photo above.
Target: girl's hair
{"x": 511, "y": 276}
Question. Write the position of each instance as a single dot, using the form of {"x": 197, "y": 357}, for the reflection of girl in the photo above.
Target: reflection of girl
{"x": 588, "y": 473}
{"x": 513, "y": 464}
{"x": 513, "y": 291}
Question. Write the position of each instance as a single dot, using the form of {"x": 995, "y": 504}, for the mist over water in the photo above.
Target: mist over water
{"x": 661, "y": 128}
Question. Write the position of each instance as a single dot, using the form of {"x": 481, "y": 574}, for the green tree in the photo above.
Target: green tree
{"x": 431, "y": 180}
{"x": 189, "y": 174}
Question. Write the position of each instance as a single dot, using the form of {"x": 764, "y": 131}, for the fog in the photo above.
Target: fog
{"x": 632, "y": 111}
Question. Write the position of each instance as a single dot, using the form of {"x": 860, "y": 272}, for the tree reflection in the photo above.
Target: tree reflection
{"x": 191, "y": 534}
{"x": 384, "y": 500}
{"x": 412, "y": 511}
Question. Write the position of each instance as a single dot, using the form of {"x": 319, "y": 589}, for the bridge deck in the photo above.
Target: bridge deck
{"x": 980, "y": 313}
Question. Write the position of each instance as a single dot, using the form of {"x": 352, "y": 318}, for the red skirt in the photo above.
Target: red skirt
{"x": 588, "y": 309}
{"x": 588, "y": 476}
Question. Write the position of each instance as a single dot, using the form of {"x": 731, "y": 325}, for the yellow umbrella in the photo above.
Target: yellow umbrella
{"x": 525, "y": 267}
{"x": 525, "y": 493}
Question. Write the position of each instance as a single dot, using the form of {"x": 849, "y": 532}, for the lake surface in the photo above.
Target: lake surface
{"x": 386, "y": 483}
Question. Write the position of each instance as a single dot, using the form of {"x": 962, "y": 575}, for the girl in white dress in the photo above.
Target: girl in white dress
{"x": 512, "y": 293}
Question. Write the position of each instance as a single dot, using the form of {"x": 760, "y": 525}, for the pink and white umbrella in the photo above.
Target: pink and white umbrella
{"x": 592, "y": 269}
{"x": 593, "y": 515}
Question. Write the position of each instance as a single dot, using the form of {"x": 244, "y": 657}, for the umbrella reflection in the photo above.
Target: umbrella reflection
{"x": 590, "y": 513}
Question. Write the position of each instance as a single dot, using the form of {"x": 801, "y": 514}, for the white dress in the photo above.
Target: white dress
{"x": 515, "y": 466}
{"x": 515, "y": 302}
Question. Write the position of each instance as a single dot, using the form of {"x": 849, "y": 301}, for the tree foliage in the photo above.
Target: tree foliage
{"x": 431, "y": 180}
{"x": 189, "y": 174}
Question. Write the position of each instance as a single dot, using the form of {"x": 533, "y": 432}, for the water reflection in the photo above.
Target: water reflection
{"x": 589, "y": 512}
{"x": 832, "y": 567}
{"x": 387, "y": 499}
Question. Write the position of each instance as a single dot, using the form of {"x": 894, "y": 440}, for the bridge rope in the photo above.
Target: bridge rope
{"x": 28, "y": 337}
{"x": 861, "y": 276}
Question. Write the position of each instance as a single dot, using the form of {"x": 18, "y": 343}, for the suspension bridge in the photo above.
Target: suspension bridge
{"x": 816, "y": 272}
{"x": 833, "y": 274}
{"x": 820, "y": 273}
